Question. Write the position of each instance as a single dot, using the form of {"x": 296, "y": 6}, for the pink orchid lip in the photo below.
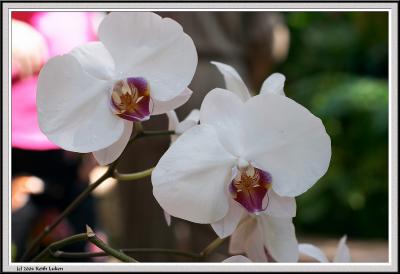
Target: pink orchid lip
{"x": 130, "y": 99}
{"x": 249, "y": 188}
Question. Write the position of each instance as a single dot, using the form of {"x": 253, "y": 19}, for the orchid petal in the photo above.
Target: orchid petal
{"x": 190, "y": 121}
{"x": 274, "y": 84}
{"x": 279, "y": 238}
{"x": 224, "y": 111}
{"x": 237, "y": 259}
{"x": 194, "y": 190}
{"x": 145, "y": 41}
{"x": 238, "y": 239}
{"x": 313, "y": 252}
{"x": 254, "y": 246}
{"x": 286, "y": 140}
{"x": 109, "y": 154}
{"x": 95, "y": 60}
{"x": 342, "y": 252}
{"x": 180, "y": 127}
{"x": 167, "y": 218}
{"x": 233, "y": 82}
{"x": 65, "y": 93}
{"x": 227, "y": 225}
{"x": 161, "y": 107}
{"x": 277, "y": 206}
{"x": 173, "y": 122}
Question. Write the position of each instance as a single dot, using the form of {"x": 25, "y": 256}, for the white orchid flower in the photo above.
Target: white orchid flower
{"x": 89, "y": 98}
{"x": 237, "y": 259}
{"x": 259, "y": 242}
{"x": 342, "y": 254}
{"x": 265, "y": 238}
{"x": 249, "y": 155}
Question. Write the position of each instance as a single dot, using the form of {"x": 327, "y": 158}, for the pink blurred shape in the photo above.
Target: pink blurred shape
{"x": 62, "y": 31}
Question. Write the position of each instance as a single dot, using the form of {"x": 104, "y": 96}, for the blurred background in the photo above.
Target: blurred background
{"x": 336, "y": 65}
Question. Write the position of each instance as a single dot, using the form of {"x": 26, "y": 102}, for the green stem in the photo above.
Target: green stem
{"x": 75, "y": 255}
{"x": 110, "y": 172}
{"x": 60, "y": 244}
{"x": 162, "y": 251}
{"x": 212, "y": 247}
{"x": 148, "y": 133}
{"x": 109, "y": 250}
{"x": 132, "y": 176}
{"x": 88, "y": 236}
{"x": 78, "y": 200}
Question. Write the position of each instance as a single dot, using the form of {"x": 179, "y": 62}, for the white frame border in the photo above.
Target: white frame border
{"x": 390, "y": 7}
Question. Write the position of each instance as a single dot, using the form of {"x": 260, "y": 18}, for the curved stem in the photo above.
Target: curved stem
{"x": 132, "y": 176}
{"x": 75, "y": 255}
{"x": 90, "y": 236}
{"x": 60, "y": 244}
{"x": 212, "y": 247}
{"x": 78, "y": 200}
{"x": 109, "y": 250}
{"x": 162, "y": 251}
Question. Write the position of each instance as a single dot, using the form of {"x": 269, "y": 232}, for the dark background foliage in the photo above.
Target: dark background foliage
{"x": 337, "y": 67}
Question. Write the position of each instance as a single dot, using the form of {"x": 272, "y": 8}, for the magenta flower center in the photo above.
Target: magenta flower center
{"x": 130, "y": 99}
{"x": 249, "y": 188}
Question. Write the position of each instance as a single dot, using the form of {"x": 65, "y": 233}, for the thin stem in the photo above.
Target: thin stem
{"x": 162, "y": 251}
{"x": 148, "y": 133}
{"x": 132, "y": 176}
{"x": 75, "y": 255}
{"x": 60, "y": 244}
{"x": 109, "y": 173}
{"x": 78, "y": 255}
{"x": 88, "y": 236}
{"x": 78, "y": 200}
{"x": 212, "y": 247}
{"x": 109, "y": 250}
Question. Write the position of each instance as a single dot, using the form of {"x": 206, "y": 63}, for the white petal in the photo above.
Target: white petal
{"x": 144, "y": 44}
{"x": 73, "y": 107}
{"x": 286, "y": 140}
{"x": 278, "y": 206}
{"x": 238, "y": 239}
{"x": 190, "y": 121}
{"x": 233, "y": 81}
{"x": 161, "y": 107}
{"x": 254, "y": 246}
{"x": 224, "y": 111}
{"x": 95, "y": 60}
{"x": 343, "y": 252}
{"x": 167, "y": 218}
{"x": 227, "y": 225}
{"x": 313, "y": 252}
{"x": 237, "y": 259}
{"x": 279, "y": 238}
{"x": 109, "y": 154}
{"x": 274, "y": 84}
{"x": 189, "y": 181}
{"x": 173, "y": 120}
